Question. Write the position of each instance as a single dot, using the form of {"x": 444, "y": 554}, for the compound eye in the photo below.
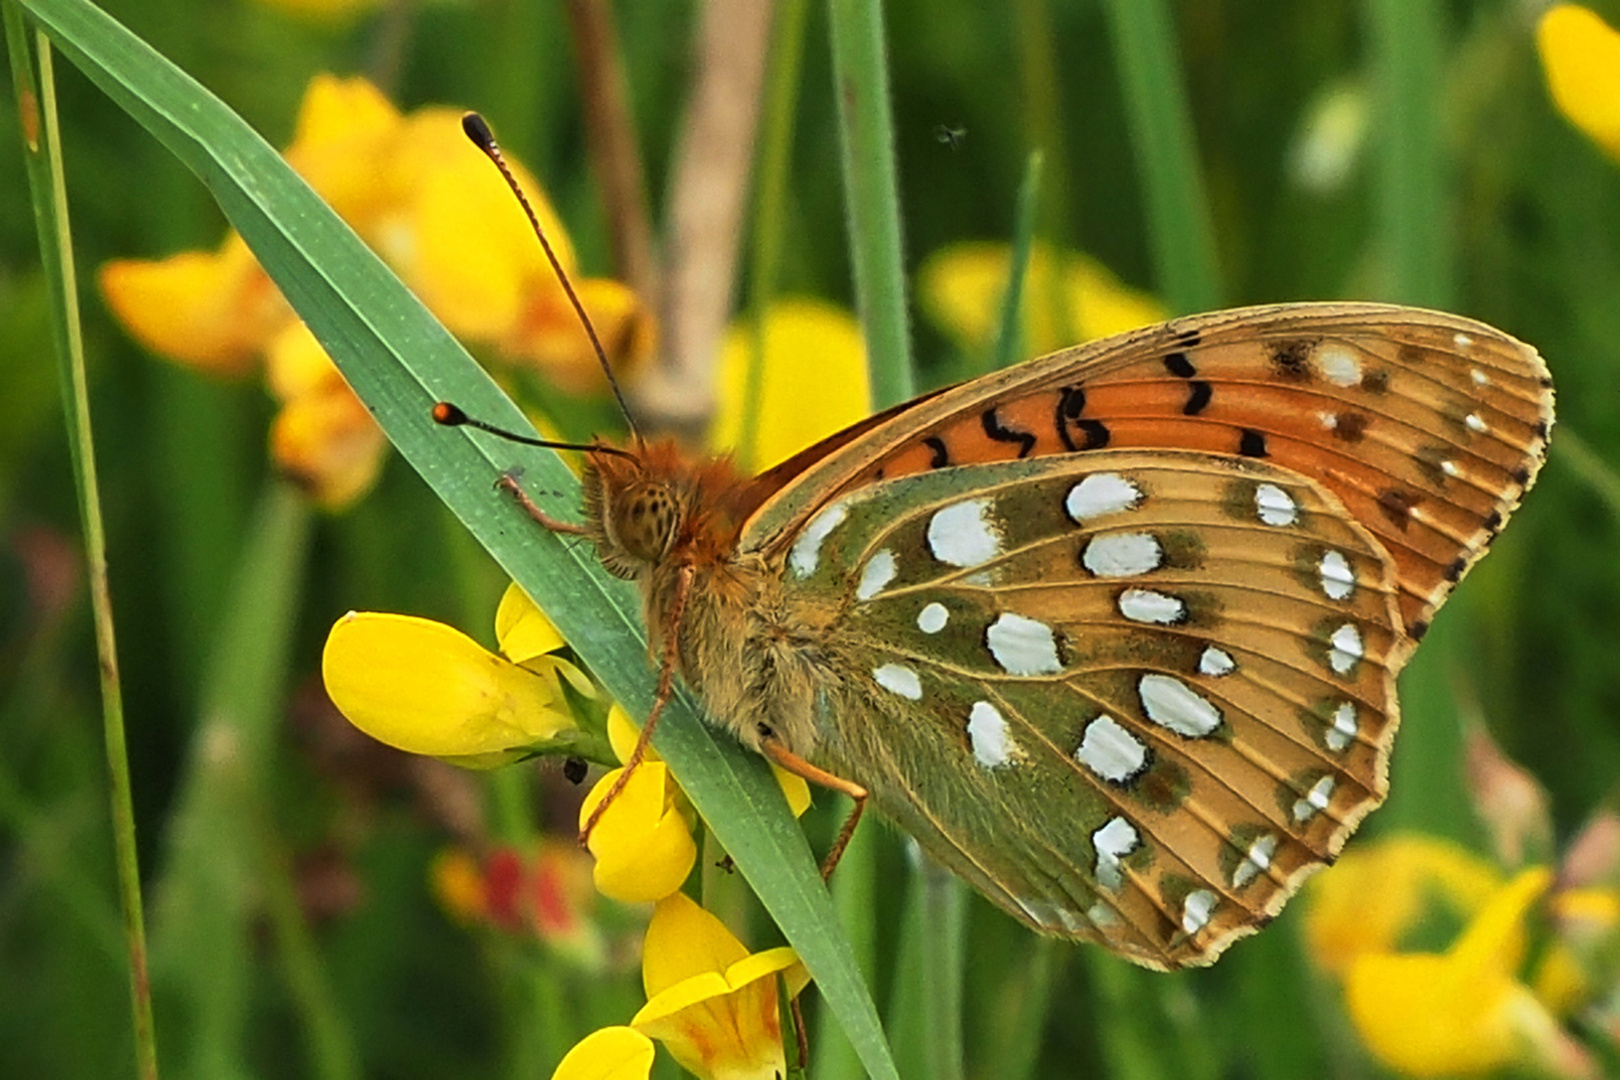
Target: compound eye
{"x": 647, "y": 522}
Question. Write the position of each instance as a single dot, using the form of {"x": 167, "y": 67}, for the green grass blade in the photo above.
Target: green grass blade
{"x": 1410, "y": 197}
{"x": 36, "y": 91}
{"x": 400, "y": 361}
{"x": 1183, "y": 239}
{"x": 872, "y": 197}
{"x": 1010, "y": 334}
{"x": 208, "y": 900}
{"x": 770, "y": 204}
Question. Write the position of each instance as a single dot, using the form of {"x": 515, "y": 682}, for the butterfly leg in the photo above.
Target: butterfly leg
{"x": 666, "y": 690}
{"x": 797, "y": 765}
{"x": 508, "y": 483}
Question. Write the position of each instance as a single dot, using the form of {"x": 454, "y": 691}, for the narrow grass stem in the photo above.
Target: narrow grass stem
{"x": 43, "y": 149}
{"x": 1010, "y": 336}
{"x": 1179, "y": 226}
{"x": 872, "y": 196}
{"x": 770, "y": 204}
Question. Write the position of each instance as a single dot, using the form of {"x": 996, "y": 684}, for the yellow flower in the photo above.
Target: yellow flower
{"x": 415, "y": 190}
{"x": 1581, "y": 54}
{"x": 710, "y": 1001}
{"x": 612, "y": 1053}
{"x": 1461, "y": 1012}
{"x": 323, "y": 437}
{"x": 1378, "y": 893}
{"x": 813, "y": 381}
{"x": 427, "y": 688}
{"x": 643, "y": 840}
{"x": 213, "y": 310}
{"x": 1068, "y": 297}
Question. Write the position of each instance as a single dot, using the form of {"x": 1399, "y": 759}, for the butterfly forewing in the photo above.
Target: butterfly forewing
{"x": 1130, "y": 696}
{"x": 1428, "y": 427}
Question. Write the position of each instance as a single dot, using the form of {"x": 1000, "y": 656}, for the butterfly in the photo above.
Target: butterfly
{"x": 1113, "y": 633}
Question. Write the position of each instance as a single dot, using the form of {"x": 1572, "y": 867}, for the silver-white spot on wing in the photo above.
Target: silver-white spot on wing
{"x": 1315, "y": 800}
{"x": 899, "y": 679}
{"x": 933, "y": 617}
{"x": 1476, "y": 423}
{"x": 1174, "y": 705}
{"x": 1196, "y": 910}
{"x": 1110, "y": 751}
{"x": 1274, "y": 505}
{"x": 806, "y": 552}
{"x": 1256, "y": 861}
{"x": 1101, "y": 494}
{"x": 1344, "y": 727}
{"x": 964, "y": 533}
{"x": 1023, "y": 646}
{"x": 1148, "y": 606}
{"x": 1116, "y": 839}
{"x": 1216, "y": 662}
{"x": 1123, "y": 554}
{"x": 878, "y": 572}
{"x": 1347, "y": 649}
{"x": 987, "y": 731}
{"x": 1338, "y": 364}
{"x": 1338, "y": 579}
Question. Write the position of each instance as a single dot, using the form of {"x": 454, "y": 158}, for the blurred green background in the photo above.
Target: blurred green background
{"x": 331, "y": 949}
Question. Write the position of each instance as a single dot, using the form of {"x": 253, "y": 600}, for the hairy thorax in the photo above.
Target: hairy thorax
{"x": 758, "y": 661}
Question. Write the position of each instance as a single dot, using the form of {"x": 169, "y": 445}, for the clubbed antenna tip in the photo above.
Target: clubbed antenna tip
{"x": 478, "y": 131}
{"x": 449, "y": 415}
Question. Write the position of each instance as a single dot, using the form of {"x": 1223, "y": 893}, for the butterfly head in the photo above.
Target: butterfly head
{"x": 648, "y": 506}
{"x": 636, "y": 506}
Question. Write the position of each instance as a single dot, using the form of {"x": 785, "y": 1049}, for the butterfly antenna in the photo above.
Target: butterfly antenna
{"x": 451, "y": 415}
{"x": 482, "y": 137}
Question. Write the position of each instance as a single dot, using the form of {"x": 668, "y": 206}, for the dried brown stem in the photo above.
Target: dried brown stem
{"x": 615, "y": 153}
{"x": 708, "y": 199}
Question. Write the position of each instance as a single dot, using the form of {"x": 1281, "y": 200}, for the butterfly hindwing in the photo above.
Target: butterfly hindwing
{"x": 1130, "y": 696}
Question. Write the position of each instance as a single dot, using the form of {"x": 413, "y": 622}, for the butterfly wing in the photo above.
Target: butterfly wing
{"x": 1132, "y": 697}
{"x": 1428, "y": 427}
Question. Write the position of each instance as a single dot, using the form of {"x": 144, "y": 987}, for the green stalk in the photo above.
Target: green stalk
{"x": 770, "y": 205}
{"x": 220, "y": 844}
{"x": 854, "y": 892}
{"x": 1179, "y": 227}
{"x": 872, "y": 197}
{"x": 37, "y": 98}
{"x": 945, "y": 902}
{"x": 1410, "y": 202}
{"x": 1038, "y": 83}
{"x": 1594, "y": 471}
{"x": 1010, "y": 336}
{"x": 331, "y": 1049}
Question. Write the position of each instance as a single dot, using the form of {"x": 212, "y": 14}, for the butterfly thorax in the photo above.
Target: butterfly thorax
{"x": 755, "y": 658}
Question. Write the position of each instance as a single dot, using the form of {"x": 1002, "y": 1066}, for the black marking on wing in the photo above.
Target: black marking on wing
{"x": 995, "y": 430}
{"x": 1198, "y": 395}
{"x": 936, "y": 446}
{"x": 1177, "y": 364}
